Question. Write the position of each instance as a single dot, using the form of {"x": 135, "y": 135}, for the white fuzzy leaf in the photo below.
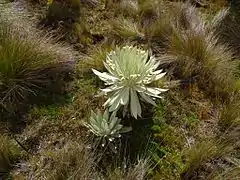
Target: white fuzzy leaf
{"x": 159, "y": 76}
{"x": 147, "y": 99}
{"x": 135, "y": 105}
{"x": 105, "y": 76}
{"x": 124, "y": 96}
{"x": 155, "y": 91}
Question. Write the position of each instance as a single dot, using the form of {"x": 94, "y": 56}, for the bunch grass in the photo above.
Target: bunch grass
{"x": 30, "y": 63}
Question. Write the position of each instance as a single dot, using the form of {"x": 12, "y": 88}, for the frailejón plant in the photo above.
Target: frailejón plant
{"x": 130, "y": 71}
{"x": 106, "y": 127}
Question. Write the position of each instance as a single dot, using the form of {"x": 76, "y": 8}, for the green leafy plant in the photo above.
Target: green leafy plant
{"x": 131, "y": 70}
{"x": 105, "y": 127}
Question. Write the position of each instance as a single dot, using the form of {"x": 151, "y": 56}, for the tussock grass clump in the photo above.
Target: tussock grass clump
{"x": 137, "y": 171}
{"x": 203, "y": 152}
{"x": 229, "y": 30}
{"x": 76, "y": 160}
{"x": 29, "y": 63}
{"x": 229, "y": 172}
{"x": 70, "y": 18}
{"x": 126, "y": 28}
{"x": 145, "y": 21}
{"x": 195, "y": 52}
{"x": 203, "y": 61}
{"x": 95, "y": 57}
{"x": 9, "y": 152}
{"x": 73, "y": 161}
{"x": 213, "y": 155}
{"x": 230, "y": 115}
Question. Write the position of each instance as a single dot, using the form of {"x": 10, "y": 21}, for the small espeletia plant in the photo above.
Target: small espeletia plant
{"x": 130, "y": 71}
{"x": 105, "y": 127}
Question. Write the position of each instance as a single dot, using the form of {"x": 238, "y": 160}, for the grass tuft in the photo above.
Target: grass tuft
{"x": 206, "y": 151}
{"x": 126, "y": 28}
{"x": 73, "y": 161}
{"x": 138, "y": 171}
{"x": 230, "y": 114}
{"x": 9, "y": 152}
{"x": 229, "y": 30}
{"x": 195, "y": 49}
{"x": 232, "y": 172}
{"x": 30, "y": 62}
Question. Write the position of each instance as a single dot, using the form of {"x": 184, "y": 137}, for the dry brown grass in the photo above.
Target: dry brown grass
{"x": 229, "y": 173}
{"x": 138, "y": 171}
{"x": 78, "y": 160}
{"x": 73, "y": 161}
